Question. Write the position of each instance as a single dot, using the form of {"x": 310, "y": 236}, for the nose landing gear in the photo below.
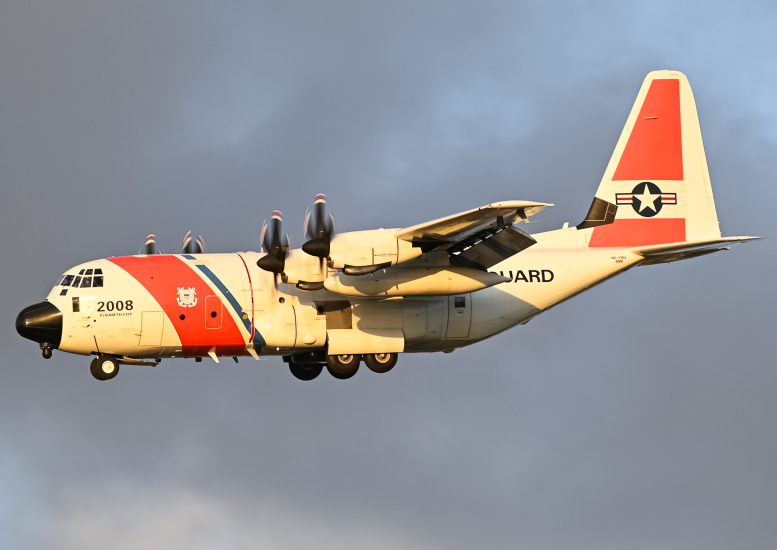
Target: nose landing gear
{"x": 104, "y": 367}
{"x": 47, "y": 350}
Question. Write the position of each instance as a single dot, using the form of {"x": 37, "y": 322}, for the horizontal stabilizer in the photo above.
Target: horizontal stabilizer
{"x": 673, "y": 252}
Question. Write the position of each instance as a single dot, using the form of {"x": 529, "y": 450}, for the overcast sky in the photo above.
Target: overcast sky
{"x": 641, "y": 414}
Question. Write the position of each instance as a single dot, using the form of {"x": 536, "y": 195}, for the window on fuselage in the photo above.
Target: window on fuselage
{"x": 67, "y": 280}
{"x": 77, "y": 282}
{"x": 97, "y": 281}
{"x": 86, "y": 282}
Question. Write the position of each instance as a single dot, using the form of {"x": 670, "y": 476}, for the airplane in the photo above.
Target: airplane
{"x": 344, "y": 298}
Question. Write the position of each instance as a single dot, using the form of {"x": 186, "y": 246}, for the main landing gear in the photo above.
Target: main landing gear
{"x": 381, "y": 362}
{"x": 305, "y": 371}
{"x": 341, "y": 367}
{"x": 104, "y": 367}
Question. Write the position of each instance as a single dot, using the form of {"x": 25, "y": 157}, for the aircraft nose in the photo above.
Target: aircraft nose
{"x": 41, "y": 323}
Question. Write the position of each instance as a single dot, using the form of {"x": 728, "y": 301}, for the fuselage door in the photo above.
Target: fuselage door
{"x": 83, "y": 308}
{"x": 151, "y": 326}
{"x": 459, "y": 316}
{"x": 213, "y": 312}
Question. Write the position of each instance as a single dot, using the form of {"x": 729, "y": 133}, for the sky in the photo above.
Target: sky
{"x": 640, "y": 414}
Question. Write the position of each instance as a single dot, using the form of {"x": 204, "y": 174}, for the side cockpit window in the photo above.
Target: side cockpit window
{"x": 67, "y": 280}
{"x": 97, "y": 281}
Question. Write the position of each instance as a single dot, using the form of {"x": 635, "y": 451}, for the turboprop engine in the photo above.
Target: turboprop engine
{"x": 354, "y": 253}
{"x": 362, "y": 252}
{"x": 413, "y": 281}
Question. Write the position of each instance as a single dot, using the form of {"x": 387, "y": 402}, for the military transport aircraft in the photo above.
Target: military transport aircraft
{"x": 370, "y": 295}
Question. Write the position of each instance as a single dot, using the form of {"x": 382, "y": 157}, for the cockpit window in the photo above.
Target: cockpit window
{"x": 84, "y": 279}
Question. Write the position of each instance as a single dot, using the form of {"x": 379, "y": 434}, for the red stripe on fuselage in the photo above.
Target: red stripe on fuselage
{"x": 162, "y": 276}
{"x": 630, "y": 232}
{"x": 655, "y": 148}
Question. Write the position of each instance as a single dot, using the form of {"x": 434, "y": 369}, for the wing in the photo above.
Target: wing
{"x": 465, "y": 224}
{"x": 479, "y": 238}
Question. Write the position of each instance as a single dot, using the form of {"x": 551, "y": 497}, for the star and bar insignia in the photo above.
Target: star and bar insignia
{"x": 646, "y": 198}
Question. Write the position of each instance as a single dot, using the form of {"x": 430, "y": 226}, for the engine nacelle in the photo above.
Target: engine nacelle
{"x": 360, "y": 252}
{"x": 414, "y": 281}
{"x": 304, "y": 269}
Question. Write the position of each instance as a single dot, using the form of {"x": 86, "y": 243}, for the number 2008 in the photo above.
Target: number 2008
{"x": 118, "y": 306}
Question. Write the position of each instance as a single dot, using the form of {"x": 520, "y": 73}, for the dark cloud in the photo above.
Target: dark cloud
{"x": 641, "y": 414}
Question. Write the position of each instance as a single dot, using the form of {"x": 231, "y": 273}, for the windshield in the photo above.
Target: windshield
{"x": 86, "y": 278}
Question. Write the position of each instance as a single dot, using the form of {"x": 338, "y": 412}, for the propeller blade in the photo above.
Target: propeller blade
{"x": 200, "y": 248}
{"x": 187, "y": 241}
{"x": 275, "y": 245}
{"x": 320, "y": 229}
{"x": 261, "y": 238}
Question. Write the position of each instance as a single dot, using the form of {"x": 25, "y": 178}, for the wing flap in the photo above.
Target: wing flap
{"x": 487, "y": 248}
{"x": 465, "y": 224}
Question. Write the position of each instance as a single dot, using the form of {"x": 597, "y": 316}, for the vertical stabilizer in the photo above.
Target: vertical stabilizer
{"x": 657, "y": 176}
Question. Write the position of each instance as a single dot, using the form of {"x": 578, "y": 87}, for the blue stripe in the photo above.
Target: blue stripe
{"x": 258, "y": 339}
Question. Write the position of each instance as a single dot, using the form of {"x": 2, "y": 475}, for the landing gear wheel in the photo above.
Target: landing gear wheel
{"x": 305, "y": 371}
{"x": 104, "y": 367}
{"x": 342, "y": 367}
{"x": 381, "y": 362}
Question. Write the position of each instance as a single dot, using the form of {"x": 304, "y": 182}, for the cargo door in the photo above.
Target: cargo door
{"x": 151, "y": 327}
{"x": 459, "y": 316}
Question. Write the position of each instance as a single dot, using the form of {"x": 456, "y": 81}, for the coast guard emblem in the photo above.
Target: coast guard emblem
{"x": 187, "y": 297}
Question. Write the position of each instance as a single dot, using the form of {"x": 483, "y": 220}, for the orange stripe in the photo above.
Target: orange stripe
{"x": 630, "y": 232}
{"x": 655, "y": 147}
{"x": 162, "y": 276}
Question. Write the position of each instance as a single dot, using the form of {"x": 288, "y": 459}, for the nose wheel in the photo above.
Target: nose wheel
{"x": 104, "y": 367}
{"x": 46, "y": 350}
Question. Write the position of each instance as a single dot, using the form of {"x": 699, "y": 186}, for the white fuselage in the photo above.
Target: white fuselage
{"x": 223, "y": 304}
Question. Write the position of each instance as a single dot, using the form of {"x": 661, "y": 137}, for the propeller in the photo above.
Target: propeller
{"x": 151, "y": 244}
{"x": 192, "y": 246}
{"x": 320, "y": 228}
{"x": 275, "y": 244}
